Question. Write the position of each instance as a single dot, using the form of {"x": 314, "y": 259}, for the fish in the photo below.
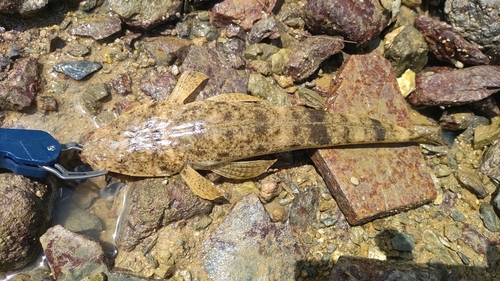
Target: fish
{"x": 218, "y": 134}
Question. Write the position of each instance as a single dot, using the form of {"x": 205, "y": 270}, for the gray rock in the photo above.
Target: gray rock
{"x": 24, "y": 217}
{"x": 247, "y": 244}
{"x": 408, "y": 51}
{"x": 77, "y": 69}
{"x": 146, "y": 13}
{"x": 496, "y": 202}
{"x": 75, "y": 219}
{"x": 21, "y": 86}
{"x": 476, "y": 20}
{"x": 490, "y": 219}
{"x": 403, "y": 242}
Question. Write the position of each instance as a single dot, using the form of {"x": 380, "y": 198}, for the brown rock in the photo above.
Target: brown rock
{"x": 371, "y": 182}
{"x": 158, "y": 85}
{"x": 153, "y": 204}
{"x": 311, "y": 53}
{"x": 447, "y": 44}
{"x": 24, "y": 217}
{"x": 21, "y": 86}
{"x": 240, "y": 12}
{"x": 444, "y": 86}
{"x": 122, "y": 84}
{"x": 98, "y": 28}
{"x": 358, "y": 21}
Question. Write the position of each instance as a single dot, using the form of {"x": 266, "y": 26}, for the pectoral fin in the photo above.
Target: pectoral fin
{"x": 243, "y": 169}
{"x": 199, "y": 185}
{"x": 235, "y": 97}
{"x": 190, "y": 83}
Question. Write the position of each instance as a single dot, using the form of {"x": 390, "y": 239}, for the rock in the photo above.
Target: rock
{"x": 21, "y": 86}
{"x": 74, "y": 219}
{"x": 442, "y": 86}
{"x": 490, "y": 219}
{"x": 260, "y": 87}
{"x": 456, "y": 119}
{"x": 477, "y": 241}
{"x": 266, "y": 27}
{"x": 496, "y": 202}
{"x": 23, "y": 7}
{"x": 487, "y": 107}
{"x": 403, "y": 242}
{"x": 408, "y": 50}
{"x": 247, "y": 244}
{"x": 447, "y": 45}
{"x": 77, "y": 69}
{"x": 350, "y": 174}
{"x": 154, "y": 203}
{"x": 145, "y": 13}
{"x": 471, "y": 181}
{"x": 356, "y": 21}
{"x": 121, "y": 84}
{"x": 485, "y": 135}
{"x": 165, "y": 50}
{"x": 476, "y": 21}
{"x": 24, "y": 217}
{"x": 46, "y": 103}
{"x": 240, "y": 12}
{"x": 158, "y": 85}
{"x": 92, "y": 96}
{"x": 222, "y": 77}
{"x": 98, "y": 28}
{"x": 310, "y": 53}
{"x": 356, "y": 268}
{"x": 490, "y": 163}
{"x": 78, "y": 50}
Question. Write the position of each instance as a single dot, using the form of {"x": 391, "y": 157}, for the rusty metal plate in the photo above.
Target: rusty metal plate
{"x": 373, "y": 181}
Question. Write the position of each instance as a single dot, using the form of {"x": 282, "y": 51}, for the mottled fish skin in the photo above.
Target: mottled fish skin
{"x": 159, "y": 139}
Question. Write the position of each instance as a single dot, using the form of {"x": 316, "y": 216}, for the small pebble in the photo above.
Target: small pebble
{"x": 490, "y": 219}
{"x": 403, "y": 242}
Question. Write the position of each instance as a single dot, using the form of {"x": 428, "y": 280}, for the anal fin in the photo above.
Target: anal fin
{"x": 199, "y": 185}
{"x": 243, "y": 169}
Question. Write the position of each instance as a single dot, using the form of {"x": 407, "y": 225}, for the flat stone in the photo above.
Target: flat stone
{"x": 367, "y": 269}
{"x": 247, "y": 244}
{"x": 391, "y": 177}
{"x": 146, "y": 13}
{"x": 240, "y": 12}
{"x": 98, "y": 28}
{"x": 21, "y": 86}
{"x": 77, "y": 69}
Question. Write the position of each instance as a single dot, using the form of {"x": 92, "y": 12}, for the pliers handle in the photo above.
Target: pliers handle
{"x": 35, "y": 153}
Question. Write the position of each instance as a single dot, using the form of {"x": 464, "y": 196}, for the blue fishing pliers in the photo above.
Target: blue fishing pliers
{"x": 35, "y": 153}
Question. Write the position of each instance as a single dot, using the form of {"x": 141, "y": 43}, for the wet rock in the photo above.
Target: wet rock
{"x": 240, "y": 249}
{"x": 77, "y": 69}
{"x": 204, "y": 29}
{"x": 98, "y": 28}
{"x": 259, "y": 86}
{"x": 165, "y": 50}
{"x": 356, "y": 21}
{"x": 477, "y": 20}
{"x": 310, "y": 53}
{"x": 447, "y": 45}
{"x": 122, "y": 84}
{"x": 356, "y": 268}
{"x": 92, "y": 97}
{"x": 471, "y": 181}
{"x": 403, "y": 242}
{"x": 46, "y": 103}
{"x": 21, "y": 85}
{"x": 456, "y": 119}
{"x": 350, "y": 174}
{"x": 222, "y": 77}
{"x": 78, "y": 50}
{"x": 452, "y": 87}
{"x": 158, "y": 85}
{"x": 24, "y": 217}
{"x": 71, "y": 217}
{"x": 145, "y": 13}
{"x": 478, "y": 242}
{"x": 240, "y": 12}
{"x": 408, "y": 50}
{"x": 23, "y": 7}
{"x": 154, "y": 203}
{"x": 490, "y": 219}
{"x": 490, "y": 165}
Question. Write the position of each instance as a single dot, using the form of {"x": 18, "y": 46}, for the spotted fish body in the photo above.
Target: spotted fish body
{"x": 160, "y": 139}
